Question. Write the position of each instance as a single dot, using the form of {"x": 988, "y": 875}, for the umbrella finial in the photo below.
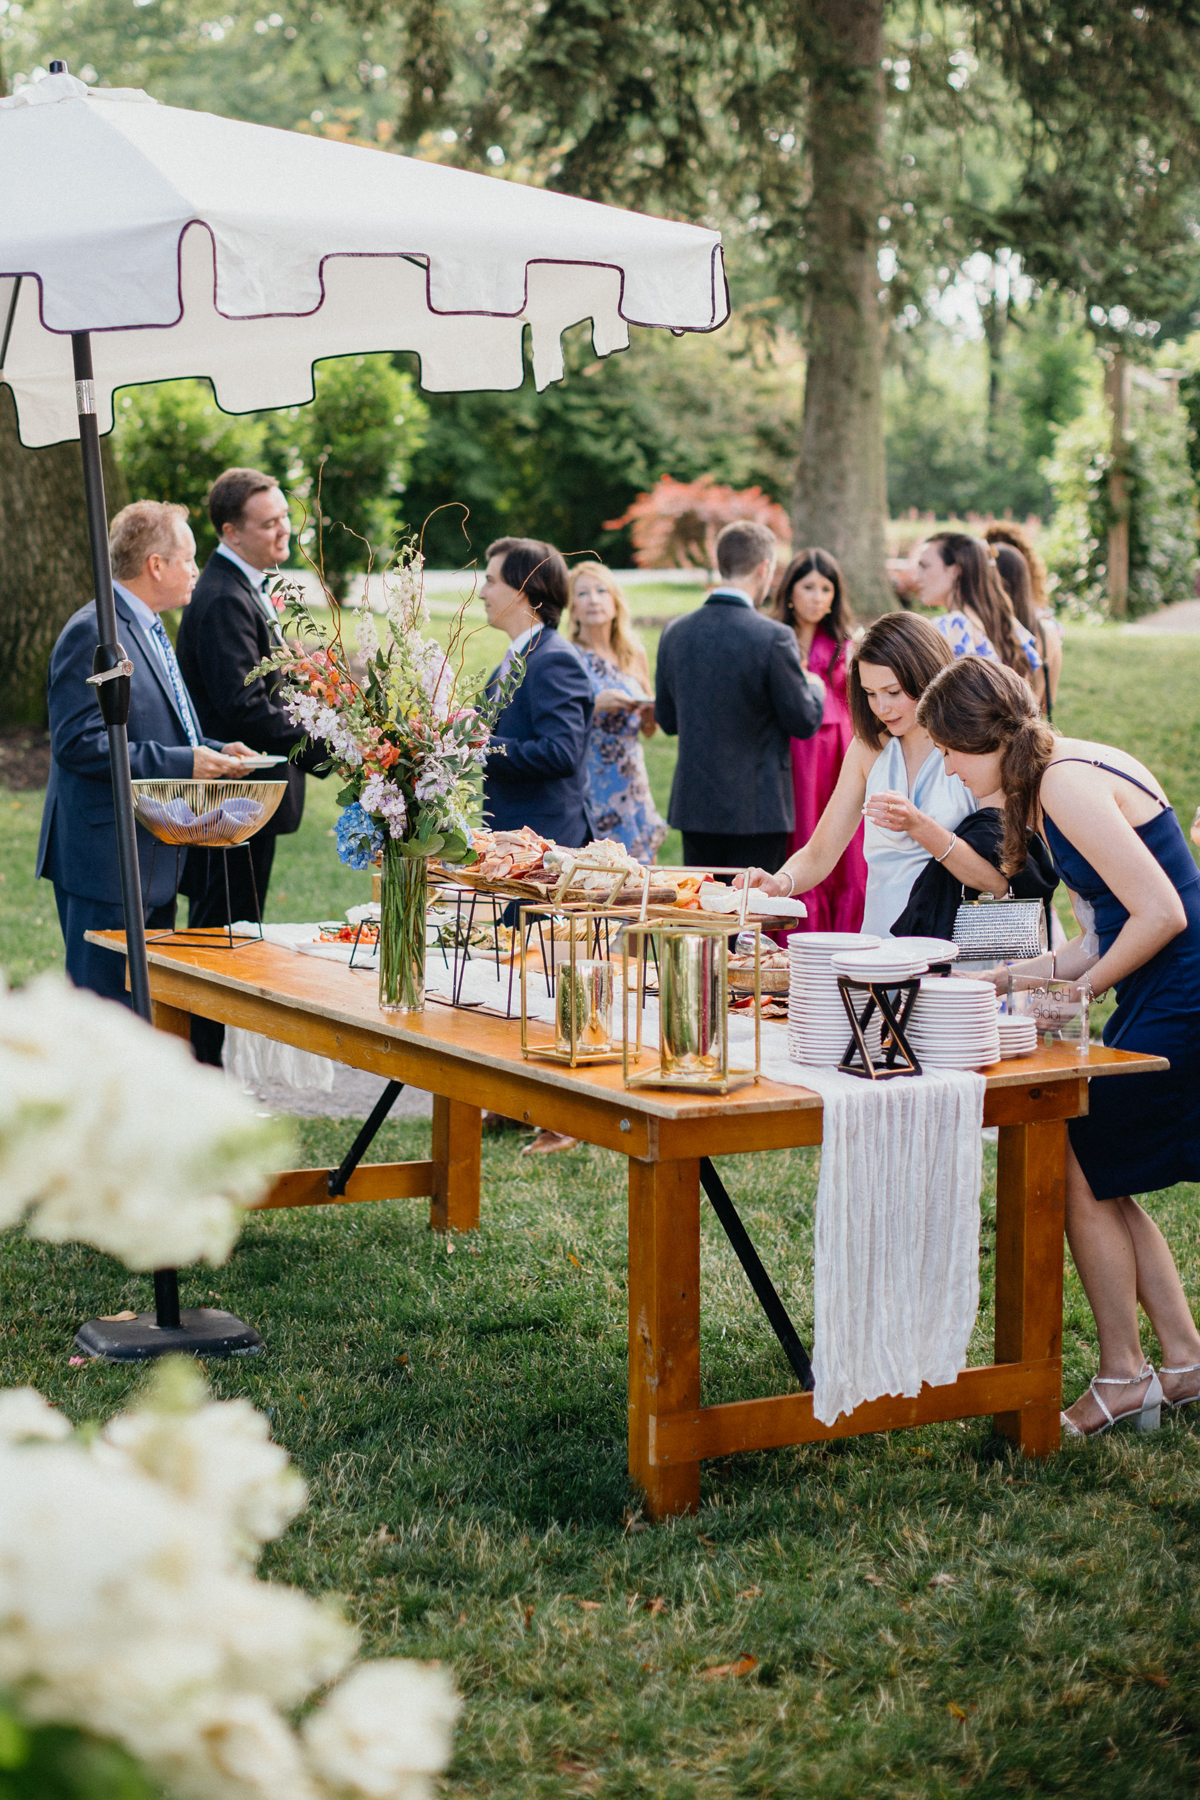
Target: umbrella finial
{"x": 59, "y": 68}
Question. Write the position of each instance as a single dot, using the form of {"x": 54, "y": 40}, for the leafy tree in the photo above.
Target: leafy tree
{"x": 561, "y": 463}
{"x": 358, "y": 438}
{"x": 1161, "y": 500}
{"x": 172, "y": 441}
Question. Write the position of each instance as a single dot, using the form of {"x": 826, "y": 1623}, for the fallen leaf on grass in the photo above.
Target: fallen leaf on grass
{"x": 591, "y": 1605}
{"x": 956, "y": 1711}
{"x": 574, "y": 1259}
{"x": 528, "y": 1617}
{"x": 1156, "y": 1680}
{"x": 943, "y": 1580}
{"x": 743, "y": 1666}
{"x": 752, "y": 1593}
{"x": 655, "y": 1606}
{"x": 873, "y": 1580}
{"x": 120, "y": 1318}
{"x": 633, "y": 1521}
{"x": 709, "y": 1543}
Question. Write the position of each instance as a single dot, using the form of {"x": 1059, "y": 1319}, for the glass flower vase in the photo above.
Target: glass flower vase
{"x": 404, "y": 891}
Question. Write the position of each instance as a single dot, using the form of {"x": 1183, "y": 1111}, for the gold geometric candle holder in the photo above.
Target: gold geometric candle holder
{"x": 692, "y": 958}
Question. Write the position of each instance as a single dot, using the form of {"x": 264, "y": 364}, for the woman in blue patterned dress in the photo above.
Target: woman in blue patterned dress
{"x": 619, "y": 801}
{"x": 955, "y": 575}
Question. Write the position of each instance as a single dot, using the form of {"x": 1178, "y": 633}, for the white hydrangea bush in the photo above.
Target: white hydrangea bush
{"x": 112, "y": 1135}
{"x": 129, "y": 1607}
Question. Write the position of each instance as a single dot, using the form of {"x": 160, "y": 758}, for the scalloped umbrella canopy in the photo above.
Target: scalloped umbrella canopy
{"x": 192, "y": 245}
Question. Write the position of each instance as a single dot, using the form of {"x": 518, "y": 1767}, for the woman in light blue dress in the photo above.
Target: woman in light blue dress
{"x": 954, "y": 575}
{"x": 619, "y": 801}
{"x": 893, "y": 777}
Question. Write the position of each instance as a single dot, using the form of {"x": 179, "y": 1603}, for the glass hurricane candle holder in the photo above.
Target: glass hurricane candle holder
{"x": 693, "y": 1005}
{"x": 573, "y": 945}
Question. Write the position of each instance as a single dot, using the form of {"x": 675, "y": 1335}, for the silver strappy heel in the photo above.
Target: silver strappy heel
{"x": 1188, "y": 1399}
{"x": 1147, "y": 1416}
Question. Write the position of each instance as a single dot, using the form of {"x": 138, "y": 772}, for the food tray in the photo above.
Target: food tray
{"x": 540, "y": 892}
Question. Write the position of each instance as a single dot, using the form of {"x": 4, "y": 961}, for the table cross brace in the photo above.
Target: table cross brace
{"x": 340, "y": 1176}
{"x": 760, "y": 1281}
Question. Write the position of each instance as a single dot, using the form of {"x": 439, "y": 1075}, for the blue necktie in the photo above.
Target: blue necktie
{"x": 159, "y": 633}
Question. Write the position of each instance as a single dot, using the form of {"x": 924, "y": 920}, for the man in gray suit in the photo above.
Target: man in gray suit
{"x": 731, "y": 687}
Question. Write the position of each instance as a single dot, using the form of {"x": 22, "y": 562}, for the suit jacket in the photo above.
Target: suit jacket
{"x": 535, "y": 772}
{"x": 730, "y": 686}
{"x": 78, "y": 845}
{"x": 223, "y": 634}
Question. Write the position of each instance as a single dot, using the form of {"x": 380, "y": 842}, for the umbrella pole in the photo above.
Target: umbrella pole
{"x": 205, "y": 1332}
{"x": 112, "y": 692}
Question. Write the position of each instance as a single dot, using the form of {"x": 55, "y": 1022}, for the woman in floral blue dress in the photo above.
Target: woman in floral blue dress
{"x": 619, "y": 801}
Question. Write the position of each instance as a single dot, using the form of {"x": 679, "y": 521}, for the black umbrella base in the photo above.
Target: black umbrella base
{"x": 202, "y": 1331}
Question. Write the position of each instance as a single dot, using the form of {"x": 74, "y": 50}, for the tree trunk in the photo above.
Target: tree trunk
{"x": 841, "y": 491}
{"x": 45, "y": 563}
{"x": 1116, "y": 389}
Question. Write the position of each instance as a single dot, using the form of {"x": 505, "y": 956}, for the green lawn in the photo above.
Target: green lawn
{"x": 928, "y": 1615}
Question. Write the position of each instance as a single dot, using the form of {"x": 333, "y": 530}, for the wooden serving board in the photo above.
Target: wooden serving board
{"x": 540, "y": 892}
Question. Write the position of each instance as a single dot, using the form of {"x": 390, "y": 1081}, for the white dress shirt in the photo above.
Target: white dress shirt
{"x": 258, "y": 579}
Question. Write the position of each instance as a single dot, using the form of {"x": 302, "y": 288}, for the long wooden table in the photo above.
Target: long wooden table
{"x": 471, "y": 1062}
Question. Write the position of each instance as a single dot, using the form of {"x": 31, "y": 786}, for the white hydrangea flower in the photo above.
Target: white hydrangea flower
{"x": 25, "y": 1415}
{"x": 128, "y": 1607}
{"x": 368, "y": 635}
{"x": 216, "y": 1455}
{"x": 383, "y": 1731}
{"x": 112, "y": 1135}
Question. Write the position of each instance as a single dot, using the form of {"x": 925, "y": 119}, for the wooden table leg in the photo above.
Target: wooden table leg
{"x": 664, "y": 1323}
{"x": 1030, "y": 1202}
{"x": 170, "y": 1019}
{"x": 457, "y": 1139}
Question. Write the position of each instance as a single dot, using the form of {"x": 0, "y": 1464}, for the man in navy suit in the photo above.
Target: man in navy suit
{"x": 535, "y": 770}
{"x": 731, "y": 686}
{"x": 154, "y": 570}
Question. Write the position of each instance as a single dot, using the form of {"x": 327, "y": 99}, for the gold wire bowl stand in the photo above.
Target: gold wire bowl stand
{"x": 160, "y": 807}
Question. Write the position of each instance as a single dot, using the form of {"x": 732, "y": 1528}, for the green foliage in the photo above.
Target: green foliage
{"x": 357, "y": 440}
{"x": 950, "y": 451}
{"x": 1162, "y": 515}
{"x": 172, "y": 441}
{"x": 60, "y": 1762}
{"x": 559, "y": 464}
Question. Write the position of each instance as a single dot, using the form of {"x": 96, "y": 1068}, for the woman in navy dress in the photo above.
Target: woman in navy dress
{"x": 1119, "y": 848}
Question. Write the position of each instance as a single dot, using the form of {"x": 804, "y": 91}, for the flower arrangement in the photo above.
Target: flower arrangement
{"x": 407, "y": 731}
{"x": 111, "y": 1135}
{"x": 130, "y": 1612}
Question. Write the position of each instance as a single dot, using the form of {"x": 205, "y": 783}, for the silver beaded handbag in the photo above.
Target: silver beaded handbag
{"x": 1000, "y": 930}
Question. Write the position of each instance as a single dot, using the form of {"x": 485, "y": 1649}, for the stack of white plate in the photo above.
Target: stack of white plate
{"x": 818, "y": 1029}
{"x": 934, "y": 950}
{"x": 953, "y": 1024}
{"x": 889, "y": 962}
{"x": 1018, "y": 1035}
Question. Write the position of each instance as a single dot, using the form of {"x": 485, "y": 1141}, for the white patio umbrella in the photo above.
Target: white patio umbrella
{"x": 141, "y": 242}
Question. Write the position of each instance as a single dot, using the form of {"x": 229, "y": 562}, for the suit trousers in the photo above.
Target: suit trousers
{"x": 714, "y": 849}
{"x": 88, "y": 965}
{"x": 249, "y": 868}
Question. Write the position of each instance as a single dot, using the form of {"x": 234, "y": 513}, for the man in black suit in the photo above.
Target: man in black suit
{"x": 227, "y": 630}
{"x": 731, "y": 687}
{"x": 154, "y": 571}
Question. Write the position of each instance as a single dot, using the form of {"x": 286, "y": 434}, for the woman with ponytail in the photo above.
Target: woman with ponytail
{"x": 1119, "y": 848}
{"x": 955, "y": 572}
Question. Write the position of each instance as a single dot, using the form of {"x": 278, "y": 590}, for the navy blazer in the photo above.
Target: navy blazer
{"x": 535, "y": 772}
{"x": 77, "y": 849}
{"x": 223, "y": 634}
{"x": 729, "y": 683}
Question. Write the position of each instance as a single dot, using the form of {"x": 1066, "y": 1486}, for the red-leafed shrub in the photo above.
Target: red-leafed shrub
{"x": 675, "y": 525}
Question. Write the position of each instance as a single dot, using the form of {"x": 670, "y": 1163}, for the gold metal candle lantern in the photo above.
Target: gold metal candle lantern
{"x": 574, "y": 943}
{"x": 693, "y": 1004}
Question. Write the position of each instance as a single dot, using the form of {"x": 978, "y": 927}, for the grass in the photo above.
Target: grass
{"x": 928, "y": 1615}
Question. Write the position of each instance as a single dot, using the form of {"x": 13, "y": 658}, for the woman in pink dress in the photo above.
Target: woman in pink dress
{"x": 811, "y": 598}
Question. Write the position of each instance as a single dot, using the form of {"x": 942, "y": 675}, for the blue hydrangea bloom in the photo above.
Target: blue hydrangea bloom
{"x": 359, "y": 839}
